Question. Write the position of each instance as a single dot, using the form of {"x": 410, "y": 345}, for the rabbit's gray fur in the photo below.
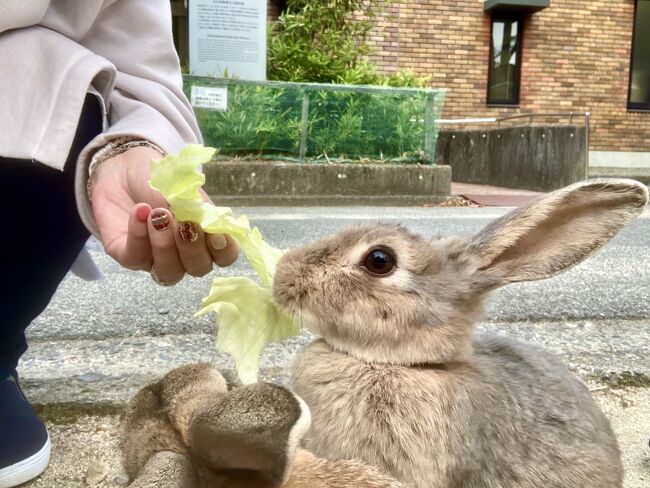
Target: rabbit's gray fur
{"x": 511, "y": 417}
{"x": 398, "y": 379}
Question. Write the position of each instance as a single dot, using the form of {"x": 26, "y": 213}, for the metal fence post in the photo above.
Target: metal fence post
{"x": 304, "y": 124}
{"x": 429, "y": 144}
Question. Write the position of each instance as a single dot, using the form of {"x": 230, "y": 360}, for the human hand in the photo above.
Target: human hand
{"x": 138, "y": 229}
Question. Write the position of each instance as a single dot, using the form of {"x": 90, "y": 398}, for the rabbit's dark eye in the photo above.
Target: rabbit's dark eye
{"x": 379, "y": 261}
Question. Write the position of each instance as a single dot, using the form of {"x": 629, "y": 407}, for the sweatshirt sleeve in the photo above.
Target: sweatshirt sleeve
{"x": 147, "y": 101}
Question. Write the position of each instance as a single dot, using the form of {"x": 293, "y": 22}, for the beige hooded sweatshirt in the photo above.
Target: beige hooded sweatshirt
{"x": 53, "y": 51}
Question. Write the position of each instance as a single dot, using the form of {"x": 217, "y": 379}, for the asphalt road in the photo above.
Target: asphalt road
{"x": 98, "y": 341}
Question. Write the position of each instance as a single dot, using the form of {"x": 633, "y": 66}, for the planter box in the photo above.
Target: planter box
{"x": 251, "y": 183}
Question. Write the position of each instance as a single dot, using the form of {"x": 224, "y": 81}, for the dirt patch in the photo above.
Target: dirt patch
{"x": 629, "y": 412}
{"x": 77, "y": 449}
{"x": 453, "y": 201}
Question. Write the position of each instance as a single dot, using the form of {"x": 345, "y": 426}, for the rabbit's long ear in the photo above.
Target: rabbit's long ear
{"x": 146, "y": 430}
{"x": 252, "y": 433}
{"x": 186, "y": 390}
{"x": 157, "y": 418}
{"x": 556, "y": 231}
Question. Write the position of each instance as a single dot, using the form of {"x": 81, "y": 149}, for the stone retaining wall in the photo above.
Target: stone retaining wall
{"x": 540, "y": 158}
{"x": 277, "y": 183}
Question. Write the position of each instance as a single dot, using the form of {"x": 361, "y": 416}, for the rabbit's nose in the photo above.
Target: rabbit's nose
{"x": 289, "y": 292}
{"x": 289, "y": 283}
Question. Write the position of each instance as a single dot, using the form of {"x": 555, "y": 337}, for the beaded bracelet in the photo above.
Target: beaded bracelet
{"x": 111, "y": 150}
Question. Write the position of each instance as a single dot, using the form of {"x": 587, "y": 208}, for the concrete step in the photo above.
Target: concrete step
{"x": 95, "y": 374}
{"x": 639, "y": 174}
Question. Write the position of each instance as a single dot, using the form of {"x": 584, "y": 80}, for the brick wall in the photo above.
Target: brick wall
{"x": 576, "y": 57}
{"x": 273, "y": 9}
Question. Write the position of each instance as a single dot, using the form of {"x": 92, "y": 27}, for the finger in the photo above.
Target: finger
{"x": 223, "y": 248}
{"x": 192, "y": 249}
{"x": 166, "y": 261}
{"x": 136, "y": 254}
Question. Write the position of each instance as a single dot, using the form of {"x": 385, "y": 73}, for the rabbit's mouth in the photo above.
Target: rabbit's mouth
{"x": 300, "y": 315}
{"x": 294, "y": 298}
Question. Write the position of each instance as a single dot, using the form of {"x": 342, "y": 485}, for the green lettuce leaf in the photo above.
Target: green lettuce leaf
{"x": 248, "y": 316}
{"x": 248, "y": 320}
{"x": 177, "y": 178}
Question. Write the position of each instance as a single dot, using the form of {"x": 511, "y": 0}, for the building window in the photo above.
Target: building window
{"x": 640, "y": 68}
{"x": 505, "y": 59}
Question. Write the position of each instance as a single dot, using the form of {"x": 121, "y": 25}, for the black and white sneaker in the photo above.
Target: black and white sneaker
{"x": 24, "y": 441}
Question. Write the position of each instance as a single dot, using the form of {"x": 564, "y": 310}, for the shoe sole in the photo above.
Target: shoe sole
{"x": 27, "y": 469}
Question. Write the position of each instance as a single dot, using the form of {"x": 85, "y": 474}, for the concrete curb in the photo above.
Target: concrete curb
{"x": 280, "y": 183}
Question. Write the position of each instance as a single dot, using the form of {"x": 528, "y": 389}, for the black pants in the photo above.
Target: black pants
{"x": 40, "y": 236}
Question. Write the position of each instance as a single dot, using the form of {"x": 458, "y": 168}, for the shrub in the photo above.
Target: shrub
{"x": 342, "y": 124}
{"x": 321, "y": 40}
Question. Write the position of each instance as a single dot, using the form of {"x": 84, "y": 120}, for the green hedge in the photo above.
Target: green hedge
{"x": 309, "y": 121}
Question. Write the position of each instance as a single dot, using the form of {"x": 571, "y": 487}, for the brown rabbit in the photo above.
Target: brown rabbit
{"x": 189, "y": 431}
{"x": 398, "y": 379}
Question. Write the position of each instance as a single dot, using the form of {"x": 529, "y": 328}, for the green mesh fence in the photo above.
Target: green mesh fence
{"x": 311, "y": 121}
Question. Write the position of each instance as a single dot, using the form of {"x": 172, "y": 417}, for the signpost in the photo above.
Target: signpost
{"x": 228, "y": 38}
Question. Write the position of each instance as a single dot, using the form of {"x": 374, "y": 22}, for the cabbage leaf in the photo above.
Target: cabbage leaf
{"x": 248, "y": 318}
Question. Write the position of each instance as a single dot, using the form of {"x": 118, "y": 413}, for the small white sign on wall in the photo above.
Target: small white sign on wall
{"x": 212, "y": 97}
{"x": 228, "y": 38}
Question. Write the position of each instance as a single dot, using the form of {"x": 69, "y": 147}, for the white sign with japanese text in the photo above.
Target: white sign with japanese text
{"x": 228, "y": 38}
{"x": 212, "y": 97}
